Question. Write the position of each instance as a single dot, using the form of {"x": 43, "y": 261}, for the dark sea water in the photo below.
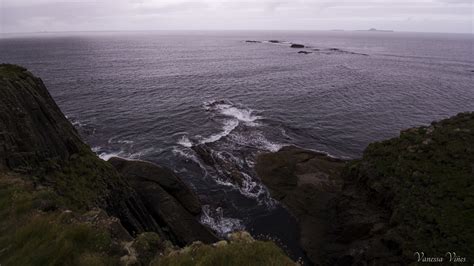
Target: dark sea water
{"x": 153, "y": 95}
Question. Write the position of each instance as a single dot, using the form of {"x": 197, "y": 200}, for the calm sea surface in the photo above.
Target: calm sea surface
{"x": 154, "y": 95}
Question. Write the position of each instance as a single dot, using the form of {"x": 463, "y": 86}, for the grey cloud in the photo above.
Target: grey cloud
{"x": 172, "y": 8}
{"x": 33, "y": 15}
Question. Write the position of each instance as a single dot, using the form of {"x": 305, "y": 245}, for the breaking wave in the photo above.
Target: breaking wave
{"x": 229, "y": 109}
{"x": 185, "y": 142}
{"x": 229, "y": 126}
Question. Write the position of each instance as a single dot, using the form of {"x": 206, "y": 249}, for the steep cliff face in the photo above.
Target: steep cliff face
{"x": 413, "y": 193}
{"x": 33, "y": 129}
{"x": 36, "y": 139}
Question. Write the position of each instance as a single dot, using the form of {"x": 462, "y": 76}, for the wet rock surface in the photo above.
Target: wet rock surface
{"x": 168, "y": 199}
{"x": 227, "y": 168}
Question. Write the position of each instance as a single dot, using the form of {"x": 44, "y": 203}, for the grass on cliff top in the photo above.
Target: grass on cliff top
{"x": 7, "y": 70}
{"x": 83, "y": 180}
{"x": 233, "y": 254}
{"x": 427, "y": 178}
{"x": 30, "y": 236}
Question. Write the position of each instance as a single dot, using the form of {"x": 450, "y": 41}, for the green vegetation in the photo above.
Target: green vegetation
{"x": 426, "y": 179}
{"x": 83, "y": 180}
{"x": 232, "y": 254}
{"x": 9, "y": 70}
{"x": 148, "y": 244}
{"x": 34, "y": 231}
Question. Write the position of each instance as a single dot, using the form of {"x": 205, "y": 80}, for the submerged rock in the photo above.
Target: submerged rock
{"x": 304, "y": 52}
{"x": 295, "y": 45}
{"x": 226, "y": 167}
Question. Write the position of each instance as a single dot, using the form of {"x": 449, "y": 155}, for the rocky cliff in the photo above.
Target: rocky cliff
{"x": 413, "y": 193}
{"x": 37, "y": 140}
{"x": 62, "y": 205}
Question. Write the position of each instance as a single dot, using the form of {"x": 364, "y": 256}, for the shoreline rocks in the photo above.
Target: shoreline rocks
{"x": 404, "y": 195}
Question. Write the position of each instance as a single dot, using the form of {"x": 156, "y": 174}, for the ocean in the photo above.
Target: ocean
{"x": 158, "y": 95}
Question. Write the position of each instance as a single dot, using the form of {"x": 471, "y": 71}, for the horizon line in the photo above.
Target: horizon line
{"x": 210, "y": 30}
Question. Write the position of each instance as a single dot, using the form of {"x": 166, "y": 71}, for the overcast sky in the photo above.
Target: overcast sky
{"x": 78, "y": 15}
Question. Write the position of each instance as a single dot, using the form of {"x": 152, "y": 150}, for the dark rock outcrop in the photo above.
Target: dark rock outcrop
{"x": 295, "y": 45}
{"x": 37, "y": 139}
{"x": 306, "y": 182}
{"x": 166, "y": 178}
{"x": 251, "y": 41}
{"x": 229, "y": 169}
{"x": 304, "y": 52}
{"x": 408, "y": 194}
{"x": 413, "y": 193}
{"x": 168, "y": 199}
{"x": 32, "y": 127}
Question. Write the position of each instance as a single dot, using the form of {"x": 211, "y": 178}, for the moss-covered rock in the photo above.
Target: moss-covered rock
{"x": 407, "y": 194}
{"x": 423, "y": 180}
{"x": 241, "y": 250}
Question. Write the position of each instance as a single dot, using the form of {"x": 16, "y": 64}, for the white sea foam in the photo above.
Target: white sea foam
{"x": 106, "y": 155}
{"x": 244, "y": 115}
{"x": 185, "y": 142}
{"x": 128, "y": 142}
{"x": 257, "y": 140}
{"x": 228, "y": 109}
{"x": 188, "y": 155}
{"x": 253, "y": 189}
{"x": 229, "y": 125}
{"x": 113, "y": 140}
{"x": 214, "y": 218}
{"x": 138, "y": 155}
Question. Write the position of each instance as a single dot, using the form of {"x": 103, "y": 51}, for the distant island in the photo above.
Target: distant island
{"x": 376, "y": 30}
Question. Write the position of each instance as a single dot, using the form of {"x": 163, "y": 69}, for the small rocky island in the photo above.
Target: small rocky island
{"x": 62, "y": 205}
